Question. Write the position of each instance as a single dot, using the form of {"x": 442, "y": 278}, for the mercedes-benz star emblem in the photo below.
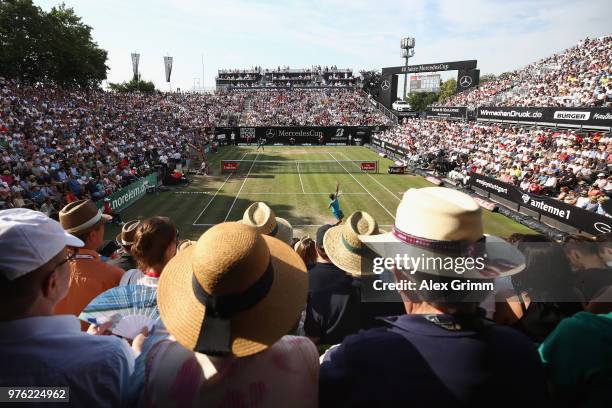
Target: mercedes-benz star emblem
{"x": 465, "y": 81}
{"x": 270, "y": 133}
{"x": 385, "y": 85}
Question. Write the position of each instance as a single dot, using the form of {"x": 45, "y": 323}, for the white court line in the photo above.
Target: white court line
{"x": 241, "y": 187}
{"x": 375, "y": 199}
{"x": 379, "y": 183}
{"x": 217, "y": 192}
{"x": 297, "y": 164}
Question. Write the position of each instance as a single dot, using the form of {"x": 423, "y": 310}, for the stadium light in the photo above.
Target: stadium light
{"x": 407, "y": 46}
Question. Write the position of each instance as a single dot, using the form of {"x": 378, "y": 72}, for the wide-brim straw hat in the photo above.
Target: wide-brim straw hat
{"x": 440, "y": 225}
{"x": 81, "y": 216}
{"x": 262, "y": 217}
{"x": 258, "y": 276}
{"x": 128, "y": 233}
{"x": 344, "y": 247}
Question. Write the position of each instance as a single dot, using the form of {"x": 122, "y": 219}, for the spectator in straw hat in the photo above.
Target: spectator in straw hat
{"x": 442, "y": 352}
{"x": 229, "y": 312}
{"x": 37, "y": 348}
{"x": 262, "y": 217}
{"x": 155, "y": 243}
{"x": 89, "y": 275}
{"x": 125, "y": 238}
{"x": 335, "y": 307}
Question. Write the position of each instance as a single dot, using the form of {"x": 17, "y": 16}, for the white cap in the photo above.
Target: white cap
{"x": 29, "y": 239}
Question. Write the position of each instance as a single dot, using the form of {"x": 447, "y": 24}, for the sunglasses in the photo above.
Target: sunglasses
{"x": 72, "y": 253}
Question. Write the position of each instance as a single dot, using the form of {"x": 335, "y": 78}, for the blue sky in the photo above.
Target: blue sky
{"x": 358, "y": 34}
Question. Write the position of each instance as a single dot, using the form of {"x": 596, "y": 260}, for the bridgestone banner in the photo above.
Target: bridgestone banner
{"x": 585, "y": 117}
{"x": 341, "y": 135}
{"x": 128, "y": 195}
{"x": 447, "y": 112}
{"x": 571, "y": 215}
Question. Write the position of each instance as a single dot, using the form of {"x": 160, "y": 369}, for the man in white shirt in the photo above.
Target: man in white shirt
{"x": 36, "y": 347}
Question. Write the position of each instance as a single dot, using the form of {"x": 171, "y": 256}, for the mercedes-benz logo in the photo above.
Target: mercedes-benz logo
{"x": 465, "y": 81}
{"x": 270, "y": 133}
{"x": 385, "y": 85}
{"x": 602, "y": 227}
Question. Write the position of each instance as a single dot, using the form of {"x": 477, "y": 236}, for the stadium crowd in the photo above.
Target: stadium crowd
{"x": 267, "y": 324}
{"x": 310, "y": 107}
{"x": 57, "y": 146}
{"x": 569, "y": 165}
{"x": 578, "y": 77}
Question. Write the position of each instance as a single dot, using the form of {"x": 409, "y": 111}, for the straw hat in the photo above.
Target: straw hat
{"x": 262, "y": 217}
{"x": 443, "y": 224}
{"x": 344, "y": 248}
{"x": 128, "y": 233}
{"x": 234, "y": 291}
{"x": 80, "y": 216}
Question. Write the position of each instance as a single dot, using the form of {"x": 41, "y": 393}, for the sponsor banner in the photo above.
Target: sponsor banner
{"x": 397, "y": 170}
{"x": 447, "y": 112}
{"x": 440, "y": 66}
{"x": 600, "y": 117}
{"x": 129, "y": 194}
{"x": 388, "y": 148}
{"x": 230, "y": 165}
{"x": 135, "y": 61}
{"x": 168, "y": 67}
{"x": 487, "y": 205}
{"x": 340, "y": 135}
{"x": 369, "y": 166}
{"x": 434, "y": 180}
{"x": 571, "y": 215}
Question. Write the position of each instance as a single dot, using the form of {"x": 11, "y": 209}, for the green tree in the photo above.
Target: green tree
{"x": 78, "y": 60}
{"x": 419, "y": 101}
{"x": 24, "y": 44}
{"x": 133, "y": 86}
{"x": 487, "y": 78}
{"x": 48, "y": 47}
{"x": 371, "y": 81}
{"x": 447, "y": 89}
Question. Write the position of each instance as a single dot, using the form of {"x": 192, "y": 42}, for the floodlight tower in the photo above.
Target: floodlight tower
{"x": 407, "y": 46}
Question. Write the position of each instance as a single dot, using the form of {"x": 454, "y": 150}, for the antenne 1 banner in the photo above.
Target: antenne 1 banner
{"x": 168, "y": 67}
{"x": 576, "y": 217}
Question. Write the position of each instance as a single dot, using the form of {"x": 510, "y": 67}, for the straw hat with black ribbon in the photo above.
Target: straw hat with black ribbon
{"x": 442, "y": 224}
{"x": 81, "y": 216}
{"x": 233, "y": 292}
{"x": 128, "y": 233}
{"x": 262, "y": 217}
{"x": 344, "y": 247}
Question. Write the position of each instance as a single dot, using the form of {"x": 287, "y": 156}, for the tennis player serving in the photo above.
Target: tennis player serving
{"x": 335, "y": 204}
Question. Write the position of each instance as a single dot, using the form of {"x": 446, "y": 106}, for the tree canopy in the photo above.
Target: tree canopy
{"x": 371, "y": 81}
{"x": 54, "y": 47}
{"x": 133, "y": 86}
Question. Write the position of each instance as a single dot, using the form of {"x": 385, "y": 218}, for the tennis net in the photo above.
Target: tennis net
{"x": 298, "y": 166}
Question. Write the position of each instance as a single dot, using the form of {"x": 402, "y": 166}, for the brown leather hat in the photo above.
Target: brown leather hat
{"x": 80, "y": 216}
{"x": 128, "y": 233}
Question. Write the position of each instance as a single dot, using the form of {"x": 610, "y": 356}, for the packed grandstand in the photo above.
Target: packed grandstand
{"x": 251, "y": 315}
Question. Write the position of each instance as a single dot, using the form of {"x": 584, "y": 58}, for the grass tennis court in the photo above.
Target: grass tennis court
{"x": 298, "y": 193}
